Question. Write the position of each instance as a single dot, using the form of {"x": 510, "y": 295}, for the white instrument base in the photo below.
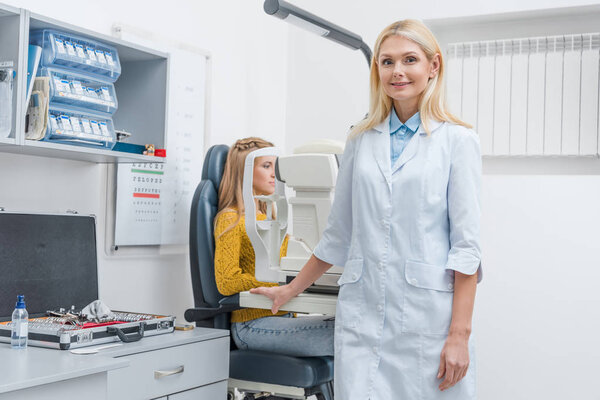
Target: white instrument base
{"x": 310, "y": 303}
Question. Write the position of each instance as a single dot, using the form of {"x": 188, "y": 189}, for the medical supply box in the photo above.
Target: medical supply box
{"x": 52, "y": 260}
{"x": 82, "y": 99}
{"x": 72, "y": 125}
{"x": 80, "y": 90}
{"x": 70, "y": 51}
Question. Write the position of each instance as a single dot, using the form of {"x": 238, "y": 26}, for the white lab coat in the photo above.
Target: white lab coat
{"x": 400, "y": 232}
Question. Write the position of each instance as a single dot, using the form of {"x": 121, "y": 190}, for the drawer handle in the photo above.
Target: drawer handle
{"x": 162, "y": 374}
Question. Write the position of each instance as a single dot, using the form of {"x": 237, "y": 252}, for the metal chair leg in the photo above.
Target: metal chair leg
{"x": 326, "y": 391}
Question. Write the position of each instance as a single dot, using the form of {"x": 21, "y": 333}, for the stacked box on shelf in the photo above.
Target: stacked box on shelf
{"x": 80, "y": 127}
{"x": 74, "y": 52}
{"x": 82, "y": 95}
{"x": 71, "y": 88}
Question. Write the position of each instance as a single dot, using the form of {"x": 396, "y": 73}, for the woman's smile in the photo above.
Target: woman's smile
{"x": 400, "y": 85}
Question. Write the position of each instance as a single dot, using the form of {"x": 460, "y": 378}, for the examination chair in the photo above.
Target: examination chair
{"x": 249, "y": 370}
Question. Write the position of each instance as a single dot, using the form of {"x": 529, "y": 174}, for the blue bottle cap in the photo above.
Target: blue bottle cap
{"x": 20, "y": 301}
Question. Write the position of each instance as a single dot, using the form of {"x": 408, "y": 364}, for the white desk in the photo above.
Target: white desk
{"x": 36, "y": 373}
{"x": 316, "y": 303}
{"x": 196, "y": 364}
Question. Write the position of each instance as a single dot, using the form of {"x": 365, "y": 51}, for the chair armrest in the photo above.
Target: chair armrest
{"x": 233, "y": 300}
{"x": 206, "y": 311}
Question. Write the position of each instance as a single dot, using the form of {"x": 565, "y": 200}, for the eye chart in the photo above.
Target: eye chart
{"x": 153, "y": 199}
{"x": 140, "y": 197}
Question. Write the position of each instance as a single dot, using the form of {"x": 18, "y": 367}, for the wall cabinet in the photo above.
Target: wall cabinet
{"x": 12, "y": 41}
{"x": 141, "y": 91}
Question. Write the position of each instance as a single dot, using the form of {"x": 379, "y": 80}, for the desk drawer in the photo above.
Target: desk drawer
{"x": 215, "y": 391}
{"x": 175, "y": 369}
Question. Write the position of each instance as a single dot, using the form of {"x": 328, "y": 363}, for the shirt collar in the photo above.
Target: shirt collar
{"x": 412, "y": 124}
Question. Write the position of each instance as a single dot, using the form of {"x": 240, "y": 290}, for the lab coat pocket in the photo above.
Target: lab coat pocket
{"x": 427, "y": 298}
{"x": 351, "y": 294}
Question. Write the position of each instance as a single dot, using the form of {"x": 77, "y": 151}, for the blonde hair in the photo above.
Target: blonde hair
{"x": 230, "y": 189}
{"x": 432, "y": 103}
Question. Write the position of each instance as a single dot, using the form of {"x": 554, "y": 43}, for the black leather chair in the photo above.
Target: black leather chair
{"x": 313, "y": 374}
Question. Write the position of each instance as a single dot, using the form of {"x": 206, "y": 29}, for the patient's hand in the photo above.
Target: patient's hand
{"x": 278, "y": 294}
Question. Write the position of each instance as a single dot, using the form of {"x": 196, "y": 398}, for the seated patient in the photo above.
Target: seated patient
{"x": 251, "y": 328}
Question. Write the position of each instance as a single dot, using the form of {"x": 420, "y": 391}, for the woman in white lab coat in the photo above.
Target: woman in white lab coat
{"x": 405, "y": 226}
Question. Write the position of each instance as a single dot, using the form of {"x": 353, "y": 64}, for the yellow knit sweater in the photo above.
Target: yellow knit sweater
{"x": 234, "y": 263}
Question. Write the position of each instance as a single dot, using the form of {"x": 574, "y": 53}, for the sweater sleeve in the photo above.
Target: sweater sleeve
{"x": 284, "y": 246}
{"x": 229, "y": 276}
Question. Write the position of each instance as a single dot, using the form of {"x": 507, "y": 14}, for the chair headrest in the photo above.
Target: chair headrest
{"x": 214, "y": 164}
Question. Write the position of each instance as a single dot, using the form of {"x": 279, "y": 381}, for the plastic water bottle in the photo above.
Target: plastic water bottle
{"x": 6, "y": 95}
{"x": 20, "y": 321}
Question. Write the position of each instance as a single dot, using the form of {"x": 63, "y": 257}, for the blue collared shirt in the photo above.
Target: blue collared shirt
{"x": 400, "y": 133}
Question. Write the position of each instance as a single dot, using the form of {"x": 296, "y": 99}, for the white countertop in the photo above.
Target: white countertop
{"x": 176, "y": 338}
{"x": 33, "y": 366}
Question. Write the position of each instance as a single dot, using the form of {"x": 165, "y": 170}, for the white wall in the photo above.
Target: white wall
{"x": 248, "y": 87}
{"x": 537, "y": 314}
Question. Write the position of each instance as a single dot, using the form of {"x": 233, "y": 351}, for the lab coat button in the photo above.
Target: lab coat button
{"x": 354, "y": 276}
{"x": 450, "y": 286}
{"x": 380, "y": 308}
{"x": 380, "y": 265}
{"x": 414, "y": 281}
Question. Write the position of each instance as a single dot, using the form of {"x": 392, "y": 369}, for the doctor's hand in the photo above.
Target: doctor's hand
{"x": 454, "y": 361}
{"x": 278, "y": 294}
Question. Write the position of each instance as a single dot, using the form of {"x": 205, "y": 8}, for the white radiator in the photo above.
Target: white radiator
{"x": 530, "y": 96}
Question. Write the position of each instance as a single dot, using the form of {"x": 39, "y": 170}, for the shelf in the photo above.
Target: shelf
{"x": 141, "y": 91}
{"x": 65, "y": 151}
{"x": 8, "y": 140}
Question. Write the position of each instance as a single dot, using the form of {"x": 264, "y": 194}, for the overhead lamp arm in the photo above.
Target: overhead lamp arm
{"x": 297, "y": 16}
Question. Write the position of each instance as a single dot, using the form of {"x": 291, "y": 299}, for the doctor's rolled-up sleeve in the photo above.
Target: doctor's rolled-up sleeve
{"x": 334, "y": 245}
{"x": 464, "y": 205}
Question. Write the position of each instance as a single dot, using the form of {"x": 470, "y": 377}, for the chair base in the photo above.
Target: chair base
{"x": 322, "y": 392}
{"x": 258, "y": 387}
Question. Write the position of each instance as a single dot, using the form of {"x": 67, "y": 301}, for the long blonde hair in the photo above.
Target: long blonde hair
{"x": 230, "y": 189}
{"x": 432, "y": 104}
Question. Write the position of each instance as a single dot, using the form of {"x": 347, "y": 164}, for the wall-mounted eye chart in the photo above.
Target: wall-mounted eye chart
{"x": 153, "y": 199}
{"x": 529, "y": 96}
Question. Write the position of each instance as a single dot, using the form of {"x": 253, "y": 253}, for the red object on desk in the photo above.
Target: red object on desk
{"x": 97, "y": 324}
{"x": 160, "y": 152}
